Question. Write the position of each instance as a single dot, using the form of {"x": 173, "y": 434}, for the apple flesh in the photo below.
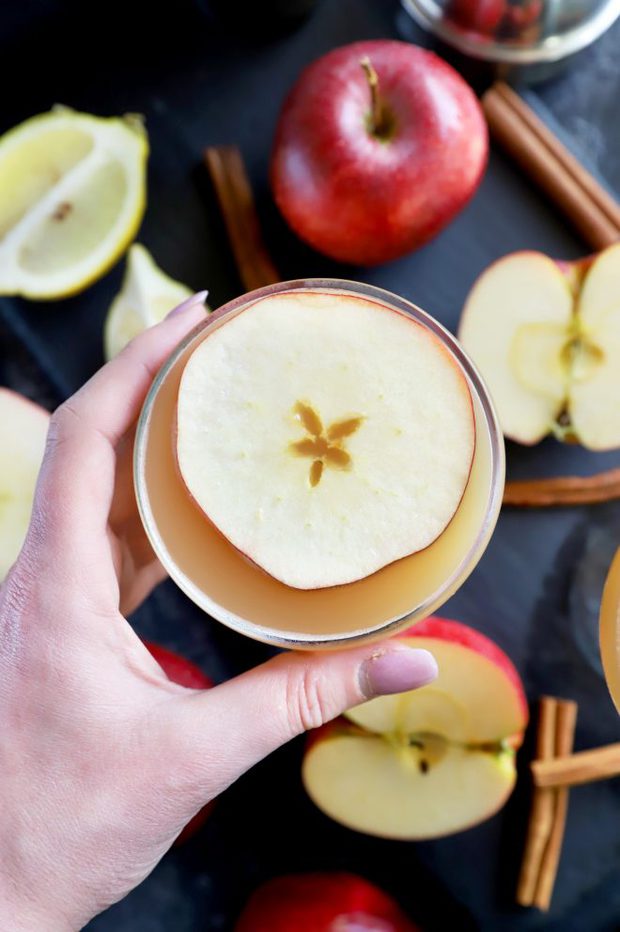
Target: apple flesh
{"x": 546, "y": 337}
{"x": 325, "y": 435}
{"x": 184, "y": 673}
{"x": 339, "y": 902}
{"x": 23, "y": 429}
{"x": 430, "y": 762}
{"x": 366, "y": 175}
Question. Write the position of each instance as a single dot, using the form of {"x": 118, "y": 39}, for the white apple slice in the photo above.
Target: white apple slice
{"x": 428, "y": 762}
{"x": 325, "y": 435}
{"x": 23, "y": 429}
{"x": 522, "y": 290}
{"x": 367, "y": 784}
{"x": 594, "y": 394}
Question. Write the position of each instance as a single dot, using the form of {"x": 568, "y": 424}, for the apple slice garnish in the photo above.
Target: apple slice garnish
{"x": 428, "y": 762}
{"x": 23, "y": 429}
{"x": 324, "y": 435}
{"x": 546, "y": 337}
{"x": 319, "y": 902}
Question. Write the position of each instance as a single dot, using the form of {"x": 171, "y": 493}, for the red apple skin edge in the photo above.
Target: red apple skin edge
{"x": 455, "y": 632}
{"x": 184, "y": 673}
{"x": 322, "y": 903}
{"x": 366, "y": 198}
{"x": 444, "y": 629}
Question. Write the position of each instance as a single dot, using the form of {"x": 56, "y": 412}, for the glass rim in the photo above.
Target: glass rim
{"x": 308, "y": 641}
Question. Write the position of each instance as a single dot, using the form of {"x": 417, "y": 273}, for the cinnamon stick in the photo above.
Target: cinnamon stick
{"x": 566, "y": 719}
{"x": 594, "y": 213}
{"x": 234, "y": 194}
{"x": 574, "y": 769}
{"x": 541, "y": 812}
{"x": 564, "y": 490}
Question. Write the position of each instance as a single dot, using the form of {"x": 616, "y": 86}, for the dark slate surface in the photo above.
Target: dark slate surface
{"x": 536, "y": 589}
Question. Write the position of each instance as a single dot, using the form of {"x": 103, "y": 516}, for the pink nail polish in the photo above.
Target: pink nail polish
{"x": 193, "y": 301}
{"x": 396, "y": 670}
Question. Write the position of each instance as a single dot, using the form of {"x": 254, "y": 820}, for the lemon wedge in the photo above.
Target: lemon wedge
{"x": 146, "y": 296}
{"x": 72, "y": 196}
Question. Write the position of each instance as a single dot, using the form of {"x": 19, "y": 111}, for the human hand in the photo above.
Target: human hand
{"x": 103, "y": 760}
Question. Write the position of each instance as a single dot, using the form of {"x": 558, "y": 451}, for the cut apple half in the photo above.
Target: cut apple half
{"x": 23, "y": 429}
{"x": 546, "y": 337}
{"x": 429, "y": 762}
{"x": 324, "y": 435}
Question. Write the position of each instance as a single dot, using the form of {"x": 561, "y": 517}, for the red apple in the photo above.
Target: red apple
{"x": 378, "y": 146}
{"x": 185, "y": 673}
{"x": 428, "y": 762}
{"x": 322, "y": 903}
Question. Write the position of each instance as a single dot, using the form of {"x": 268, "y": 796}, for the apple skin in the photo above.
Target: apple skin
{"x": 179, "y": 669}
{"x": 444, "y": 629}
{"x": 479, "y": 16}
{"x": 322, "y": 903}
{"x": 184, "y": 673}
{"x": 361, "y": 199}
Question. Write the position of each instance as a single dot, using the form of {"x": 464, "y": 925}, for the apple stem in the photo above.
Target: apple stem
{"x": 378, "y": 121}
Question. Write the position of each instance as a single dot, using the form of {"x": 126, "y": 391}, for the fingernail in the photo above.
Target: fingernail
{"x": 396, "y": 671}
{"x": 193, "y": 301}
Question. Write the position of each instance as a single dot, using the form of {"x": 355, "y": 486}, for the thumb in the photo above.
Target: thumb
{"x": 226, "y": 730}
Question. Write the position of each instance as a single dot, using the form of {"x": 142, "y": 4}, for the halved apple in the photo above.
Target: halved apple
{"x": 23, "y": 429}
{"x": 324, "y": 435}
{"x": 432, "y": 761}
{"x": 546, "y": 337}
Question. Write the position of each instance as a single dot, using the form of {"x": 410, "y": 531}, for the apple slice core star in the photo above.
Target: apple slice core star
{"x": 325, "y": 435}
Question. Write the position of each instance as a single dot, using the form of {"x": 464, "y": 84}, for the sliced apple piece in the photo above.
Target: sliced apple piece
{"x": 520, "y": 290}
{"x": 546, "y": 336}
{"x": 369, "y": 785}
{"x": 23, "y": 429}
{"x": 594, "y": 396}
{"x": 428, "y": 762}
{"x": 324, "y": 435}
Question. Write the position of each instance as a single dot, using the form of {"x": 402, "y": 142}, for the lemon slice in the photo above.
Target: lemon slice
{"x": 146, "y": 296}
{"x": 72, "y": 195}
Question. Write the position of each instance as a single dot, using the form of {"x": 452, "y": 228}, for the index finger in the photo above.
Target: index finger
{"x": 76, "y": 482}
